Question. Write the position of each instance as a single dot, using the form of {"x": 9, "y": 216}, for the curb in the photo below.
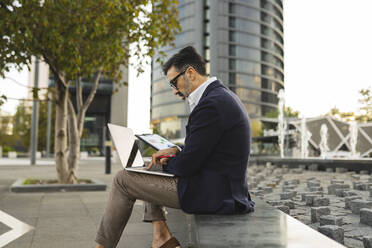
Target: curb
{"x": 18, "y": 187}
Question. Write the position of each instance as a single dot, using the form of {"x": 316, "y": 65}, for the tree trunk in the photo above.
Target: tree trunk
{"x": 74, "y": 145}
{"x": 60, "y": 144}
{"x": 67, "y": 162}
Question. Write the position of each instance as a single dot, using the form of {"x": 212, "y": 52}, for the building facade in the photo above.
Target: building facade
{"x": 242, "y": 42}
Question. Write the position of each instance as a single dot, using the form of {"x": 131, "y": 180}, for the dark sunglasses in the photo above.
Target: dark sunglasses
{"x": 173, "y": 82}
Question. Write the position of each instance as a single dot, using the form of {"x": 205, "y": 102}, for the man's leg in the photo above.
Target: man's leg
{"x": 126, "y": 188}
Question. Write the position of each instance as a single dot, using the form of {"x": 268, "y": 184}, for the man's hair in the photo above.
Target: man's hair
{"x": 186, "y": 57}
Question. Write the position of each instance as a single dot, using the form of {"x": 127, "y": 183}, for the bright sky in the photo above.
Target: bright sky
{"x": 328, "y": 56}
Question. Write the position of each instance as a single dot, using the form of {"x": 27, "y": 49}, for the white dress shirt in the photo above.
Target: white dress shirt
{"x": 195, "y": 96}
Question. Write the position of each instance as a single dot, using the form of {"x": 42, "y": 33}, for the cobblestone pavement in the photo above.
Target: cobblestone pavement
{"x": 337, "y": 204}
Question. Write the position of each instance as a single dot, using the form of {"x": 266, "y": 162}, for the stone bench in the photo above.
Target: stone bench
{"x": 265, "y": 227}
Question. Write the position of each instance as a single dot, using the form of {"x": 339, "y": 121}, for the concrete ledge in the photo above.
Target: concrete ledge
{"x": 18, "y": 187}
{"x": 323, "y": 164}
{"x": 265, "y": 227}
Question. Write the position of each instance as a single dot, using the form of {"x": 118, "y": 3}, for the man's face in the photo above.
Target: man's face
{"x": 182, "y": 84}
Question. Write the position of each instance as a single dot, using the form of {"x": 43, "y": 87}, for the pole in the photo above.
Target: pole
{"x": 34, "y": 120}
{"x": 49, "y": 124}
{"x": 107, "y": 151}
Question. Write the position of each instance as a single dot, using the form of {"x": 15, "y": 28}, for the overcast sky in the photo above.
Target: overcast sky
{"x": 328, "y": 54}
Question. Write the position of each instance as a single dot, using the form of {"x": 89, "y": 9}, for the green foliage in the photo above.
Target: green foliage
{"x": 2, "y": 99}
{"x": 20, "y": 139}
{"x": 365, "y": 109}
{"x": 32, "y": 181}
{"x": 366, "y": 105}
{"x": 288, "y": 112}
{"x": 78, "y": 38}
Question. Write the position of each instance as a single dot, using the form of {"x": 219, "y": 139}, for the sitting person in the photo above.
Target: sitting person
{"x": 210, "y": 170}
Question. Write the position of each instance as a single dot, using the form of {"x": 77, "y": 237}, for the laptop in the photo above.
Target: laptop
{"x": 128, "y": 150}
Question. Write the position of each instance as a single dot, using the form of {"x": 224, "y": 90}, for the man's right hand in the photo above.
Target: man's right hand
{"x": 156, "y": 156}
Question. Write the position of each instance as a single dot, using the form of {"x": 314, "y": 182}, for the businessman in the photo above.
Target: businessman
{"x": 210, "y": 170}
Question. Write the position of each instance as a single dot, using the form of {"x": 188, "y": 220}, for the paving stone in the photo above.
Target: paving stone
{"x": 340, "y": 192}
{"x": 288, "y": 203}
{"x": 356, "y": 177}
{"x": 330, "y": 220}
{"x": 320, "y": 201}
{"x": 349, "y": 199}
{"x": 251, "y": 186}
{"x": 292, "y": 182}
{"x": 271, "y": 184}
{"x": 313, "y": 183}
{"x": 316, "y": 212}
{"x": 361, "y": 186}
{"x": 313, "y": 167}
{"x": 257, "y": 192}
{"x": 287, "y": 188}
{"x": 341, "y": 170}
{"x": 367, "y": 242}
{"x": 337, "y": 181}
{"x": 284, "y": 209}
{"x": 267, "y": 190}
{"x": 304, "y": 194}
{"x": 297, "y": 171}
{"x": 288, "y": 195}
{"x": 334, "y": 232}
{"x": 364, "y": 172}
{"x": 332, "y": 188}
{"x": 309, "y": 199}
{"x": 315, "y": 189}
{"x": 302, "y": 166}
{"x": 366, "y": 216}
{"x": 353, "y": 243}
{"x": 356, "y": 205}
{"x": 350, "y": 193}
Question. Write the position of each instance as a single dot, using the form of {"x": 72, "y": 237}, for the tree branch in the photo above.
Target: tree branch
{"x": 55, "y": 70}
{"x": 81, "y": 113}
{"x": 79, "y": 94}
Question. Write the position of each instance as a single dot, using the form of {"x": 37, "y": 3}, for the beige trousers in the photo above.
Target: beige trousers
{"x": 127, "y": 187}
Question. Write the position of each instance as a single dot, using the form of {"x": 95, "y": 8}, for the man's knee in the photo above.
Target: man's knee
{"x": 120, "y": 178}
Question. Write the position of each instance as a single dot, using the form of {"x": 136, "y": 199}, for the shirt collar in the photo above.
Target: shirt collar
{"x": 195, "y": 96}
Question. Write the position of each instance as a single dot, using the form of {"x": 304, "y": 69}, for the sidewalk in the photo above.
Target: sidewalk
{"x": 70, "y": 219}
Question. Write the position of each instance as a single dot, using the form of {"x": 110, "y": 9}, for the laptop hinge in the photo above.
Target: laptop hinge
{"x": 133, "y": 154}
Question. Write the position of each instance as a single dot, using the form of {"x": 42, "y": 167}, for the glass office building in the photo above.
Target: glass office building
{"x": 242, "y": 42}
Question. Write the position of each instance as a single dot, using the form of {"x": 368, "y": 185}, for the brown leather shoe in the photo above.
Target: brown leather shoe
{"x": 171, "y": 243}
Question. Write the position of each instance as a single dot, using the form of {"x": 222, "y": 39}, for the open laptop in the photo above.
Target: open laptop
{"x": 129, "y": 153}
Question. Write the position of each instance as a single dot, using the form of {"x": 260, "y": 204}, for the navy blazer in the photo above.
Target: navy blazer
{"x": 212, "y": 167}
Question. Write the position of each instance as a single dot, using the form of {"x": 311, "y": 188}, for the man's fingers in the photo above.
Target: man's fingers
{"x": 153, "y": 161}
{"x": 149, "y": 166}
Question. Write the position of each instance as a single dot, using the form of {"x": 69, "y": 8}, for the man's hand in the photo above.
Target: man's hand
{"x": 156, "y": 156}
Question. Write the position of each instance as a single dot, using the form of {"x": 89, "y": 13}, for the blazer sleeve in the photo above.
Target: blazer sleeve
{"x": 204, "y": 132}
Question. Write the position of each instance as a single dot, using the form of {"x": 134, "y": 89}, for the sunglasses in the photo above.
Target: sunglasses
{"x": 173, "y": 82}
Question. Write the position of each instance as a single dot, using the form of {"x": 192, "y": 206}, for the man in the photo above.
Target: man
{"x": 210, "y": 170}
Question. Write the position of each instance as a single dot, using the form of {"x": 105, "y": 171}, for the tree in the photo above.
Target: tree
{"x": 81, "y": 39}
{"x": 288, "y": 112}
{"x": 366, "y": 105}
{"x": 22, "y": 125}
{"x": 2, "y": 99}
{"x": 365, "y": 109}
